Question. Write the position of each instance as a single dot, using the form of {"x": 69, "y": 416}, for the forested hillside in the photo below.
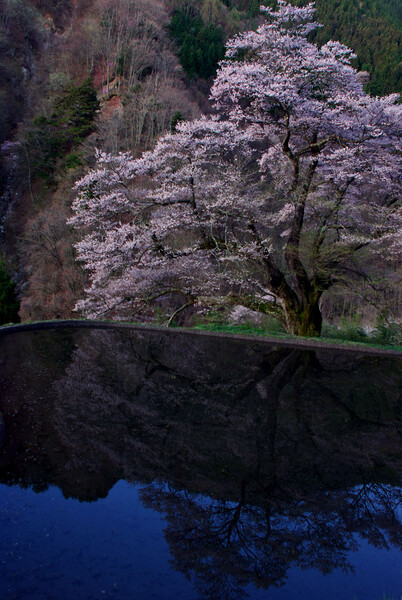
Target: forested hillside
{"x": 373, "y": 29}
{"x": 116, "y": 75}
{"x": 101, "y": 74}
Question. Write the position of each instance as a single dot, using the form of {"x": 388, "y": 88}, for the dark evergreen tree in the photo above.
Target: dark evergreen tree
{"x": 51, "y": 138}
{"x": 9, "y": 304}
{"x": 372, "y": 28}
{"x": 201, "y": 46}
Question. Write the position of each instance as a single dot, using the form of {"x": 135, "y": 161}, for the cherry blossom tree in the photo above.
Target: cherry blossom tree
{"x": 270, "y": 202}
{"x": 164, "y": 224}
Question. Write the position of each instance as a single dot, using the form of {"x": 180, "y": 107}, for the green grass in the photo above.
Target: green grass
{"x": 385, "y": 333}
{"x": 352, "y": 336}
{"x": 245, "y": 328}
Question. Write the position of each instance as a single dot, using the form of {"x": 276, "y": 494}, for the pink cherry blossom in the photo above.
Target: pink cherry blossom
{"x": 292, "y": 182}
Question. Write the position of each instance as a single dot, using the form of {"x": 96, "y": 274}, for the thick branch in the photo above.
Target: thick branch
{"x": 315, "y": 147}
{"x": 292, "y": 253}
{"x": 276, "y": 280}
{"x": 178, "y": 310}
{"x": 321, "y": 274}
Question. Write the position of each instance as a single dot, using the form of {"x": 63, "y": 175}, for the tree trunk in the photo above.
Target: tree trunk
{"x": 301, "y": 314}
{"x": 307, "y": 321}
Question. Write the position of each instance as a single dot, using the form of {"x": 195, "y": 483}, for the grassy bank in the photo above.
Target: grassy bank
{"x": 388, "y": 337}
{"x": 353, "y": 338}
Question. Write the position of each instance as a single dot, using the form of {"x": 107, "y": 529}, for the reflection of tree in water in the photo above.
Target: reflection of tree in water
{"x": 268, "y": 457}
{"x": 309, "y": 492}
{"x": 194, "y": 409}
{"x": 227, "y": 545}
{"x": 281, "y": 433}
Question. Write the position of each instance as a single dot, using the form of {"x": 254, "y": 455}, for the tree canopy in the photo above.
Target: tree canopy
{"x": 279, "y": 196}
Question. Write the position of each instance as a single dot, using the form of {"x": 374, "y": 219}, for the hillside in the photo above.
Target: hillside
{"x": 373, "y": 29}
{"x": 115, "y": 75}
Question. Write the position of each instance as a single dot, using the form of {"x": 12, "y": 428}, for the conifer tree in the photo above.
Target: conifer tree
{"x": 9, "y": 304}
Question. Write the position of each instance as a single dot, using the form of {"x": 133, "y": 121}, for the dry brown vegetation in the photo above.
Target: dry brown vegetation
{"x": 124, "y": 46}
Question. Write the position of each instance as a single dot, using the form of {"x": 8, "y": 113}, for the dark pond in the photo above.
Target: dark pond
{"x": 138, "y": 464}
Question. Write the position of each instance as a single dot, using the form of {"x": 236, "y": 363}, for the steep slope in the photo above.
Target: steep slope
{"x": 112, "y": 61}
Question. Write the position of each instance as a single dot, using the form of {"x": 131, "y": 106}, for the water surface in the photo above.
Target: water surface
{"x": 141, "y": 464}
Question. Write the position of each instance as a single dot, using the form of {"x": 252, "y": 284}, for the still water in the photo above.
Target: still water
{"x": 137, "y": 464}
